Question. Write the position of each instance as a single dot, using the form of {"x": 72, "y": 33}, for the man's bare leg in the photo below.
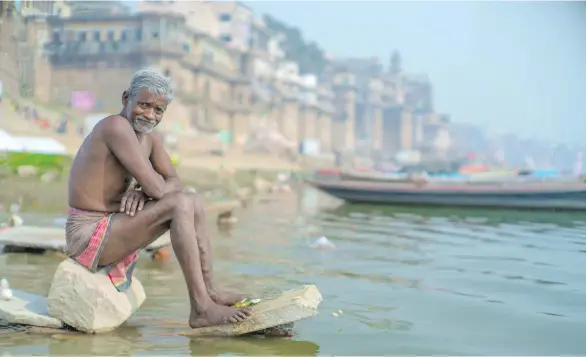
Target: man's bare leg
{"x": 175, "y": 211}
{"x": 205, "y": 250}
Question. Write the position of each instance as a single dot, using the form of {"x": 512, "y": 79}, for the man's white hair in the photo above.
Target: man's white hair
{"x": 152, "y": 80}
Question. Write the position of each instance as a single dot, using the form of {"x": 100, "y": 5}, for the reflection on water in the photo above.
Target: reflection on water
{"x": 408, "y": 281}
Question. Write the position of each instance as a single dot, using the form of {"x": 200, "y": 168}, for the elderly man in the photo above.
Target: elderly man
{"x": 109, "y": 221}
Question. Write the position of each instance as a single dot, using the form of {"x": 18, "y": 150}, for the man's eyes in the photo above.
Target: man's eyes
{"x": 146, "y": 105}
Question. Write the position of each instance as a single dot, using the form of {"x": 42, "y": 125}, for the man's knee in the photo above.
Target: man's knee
{"x": 180, "y": 203}
{"x": 197, "y": 202}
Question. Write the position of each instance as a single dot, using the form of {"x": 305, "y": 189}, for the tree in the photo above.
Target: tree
{"x": 309, "y": 56}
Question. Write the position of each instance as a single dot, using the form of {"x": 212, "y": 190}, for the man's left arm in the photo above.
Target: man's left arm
{"x": 162, "y": 164}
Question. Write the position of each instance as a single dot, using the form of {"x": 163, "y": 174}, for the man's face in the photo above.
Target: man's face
{"x": 145, "y": 110}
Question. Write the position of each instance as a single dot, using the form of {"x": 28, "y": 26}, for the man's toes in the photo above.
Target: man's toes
{"x": 238, "y": 318}
{"x": 247, "y": 311}
{"x": 241, "y": 315}
{"x": 232, "y": 319}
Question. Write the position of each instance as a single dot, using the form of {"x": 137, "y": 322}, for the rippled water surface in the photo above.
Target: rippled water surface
{"x": 408, "y": 280}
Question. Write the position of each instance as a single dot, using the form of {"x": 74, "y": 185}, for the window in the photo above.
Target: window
{"x": 155, "y": 35}
{"x": 225, "y": 17}
{"x": 110, "y": 35}
{"x": 82, "y": 35}
{"x": 226, "y": 38}
{"x": 138, "y": 34}
{"x": 56, "y": 36}
{"x": 97, "y": 36}
{"x": 208, "y": 57}
{"x": 206, "y": 88}
{"x": 124, "y": 35}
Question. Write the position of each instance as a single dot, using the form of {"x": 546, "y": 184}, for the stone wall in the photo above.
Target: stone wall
{"x": 10, "y": 54}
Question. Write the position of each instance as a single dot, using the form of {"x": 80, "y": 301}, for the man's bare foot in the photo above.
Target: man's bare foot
{"x": 217, "y": 315}
{"x": 225, "y": 298}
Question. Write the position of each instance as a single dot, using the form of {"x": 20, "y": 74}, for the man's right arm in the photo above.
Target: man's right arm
{"x": 122, "y": 141}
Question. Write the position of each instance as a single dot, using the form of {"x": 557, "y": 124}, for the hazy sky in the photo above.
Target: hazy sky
{"x": 508, "y": 66}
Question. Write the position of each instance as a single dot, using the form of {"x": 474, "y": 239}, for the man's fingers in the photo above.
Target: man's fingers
{"x": 129, "y": 203}
{"x": 123, "y": 202}
{"x": 134, "y": 206}
{"x": 141, "y": 203}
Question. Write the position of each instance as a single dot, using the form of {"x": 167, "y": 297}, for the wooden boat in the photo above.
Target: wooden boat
{"x": 375, "y": 176}
{"x": 550, "y": 195}
{"x": 482, "y": 178}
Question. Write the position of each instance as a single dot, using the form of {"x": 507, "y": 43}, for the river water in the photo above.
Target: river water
{"x": 407, "y": 281}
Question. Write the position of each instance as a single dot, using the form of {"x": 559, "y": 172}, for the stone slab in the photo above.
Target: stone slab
{"x": 286, "y": 308}
{"x": 47, "y": 238}
{"x": 89, "y": 302}
{"x": 27, "y": 309}
{"x": 53, "y": 238}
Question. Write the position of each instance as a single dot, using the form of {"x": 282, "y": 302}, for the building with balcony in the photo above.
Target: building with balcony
{"x": 99, "y": 54}
{"x": 343, "y": 124}
{"x": 358, "y": 80}
{"x": 325, "y": 114}
{"x": 209, "y": 81}
{"x": 229, "y": 21}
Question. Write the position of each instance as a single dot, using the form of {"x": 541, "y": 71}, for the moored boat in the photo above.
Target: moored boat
{"x": 526, "y": 195}
{"x": 480, "y": 178}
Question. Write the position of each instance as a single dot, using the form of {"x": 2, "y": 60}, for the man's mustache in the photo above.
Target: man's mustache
{"x": 143, "y": 119}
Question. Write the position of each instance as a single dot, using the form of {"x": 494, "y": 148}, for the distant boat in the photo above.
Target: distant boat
{"x": 569, "y": 195}
{"x": 446, "y": 178}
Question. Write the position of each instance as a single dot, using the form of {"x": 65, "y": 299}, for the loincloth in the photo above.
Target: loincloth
{"x": 86, "y": 235}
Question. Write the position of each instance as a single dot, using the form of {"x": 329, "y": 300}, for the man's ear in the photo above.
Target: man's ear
{"x": 125, "y": 98}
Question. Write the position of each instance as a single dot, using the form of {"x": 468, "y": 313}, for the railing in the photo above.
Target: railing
{"x": 110, "y": 47}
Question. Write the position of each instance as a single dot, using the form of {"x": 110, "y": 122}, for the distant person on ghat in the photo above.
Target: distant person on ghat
{"x": 109, "y": 221}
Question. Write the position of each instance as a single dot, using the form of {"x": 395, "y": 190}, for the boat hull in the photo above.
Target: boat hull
{"x": 536, "y": 196}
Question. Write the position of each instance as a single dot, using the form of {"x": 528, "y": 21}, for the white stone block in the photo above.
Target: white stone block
{"x": 89, "y": 302}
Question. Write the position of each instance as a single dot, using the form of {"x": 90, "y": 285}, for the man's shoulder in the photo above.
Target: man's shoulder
{"x": 113, "y": 122}
{"x": 112, "y": 125}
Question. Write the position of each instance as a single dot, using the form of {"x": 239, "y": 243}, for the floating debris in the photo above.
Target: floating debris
{"x": 337, "y": 313}
{"x": 5, "y": 291}
{"x": 323, "y": 243}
